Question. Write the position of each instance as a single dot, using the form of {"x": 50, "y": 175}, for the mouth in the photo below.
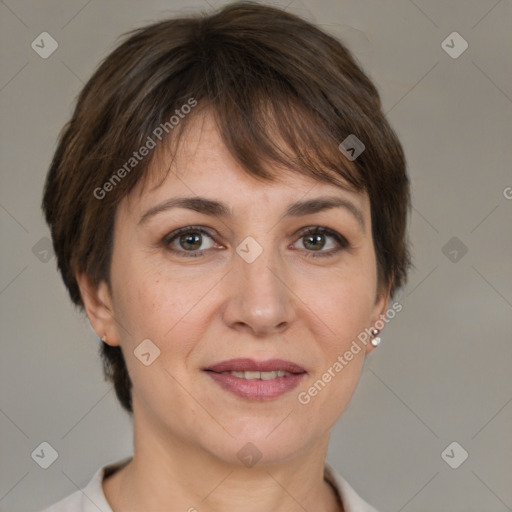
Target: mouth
{"x": 257, "y": 380}
{"x": 258, "y": 375}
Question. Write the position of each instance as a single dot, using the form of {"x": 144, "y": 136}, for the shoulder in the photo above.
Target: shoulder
{"x": 91, "y": 498}
{"x": 352, "y": 502}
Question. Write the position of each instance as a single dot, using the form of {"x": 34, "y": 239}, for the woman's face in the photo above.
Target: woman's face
{"x": 240, "y": 282}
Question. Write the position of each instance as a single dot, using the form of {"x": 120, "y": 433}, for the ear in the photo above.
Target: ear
{"x": 379, "y": 312}
{"x": 97, "y": 301}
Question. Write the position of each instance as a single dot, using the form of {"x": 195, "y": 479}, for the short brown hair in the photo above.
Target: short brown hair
{"x": 260, "y": 71}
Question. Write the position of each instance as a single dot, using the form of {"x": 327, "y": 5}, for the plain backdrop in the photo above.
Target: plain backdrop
{"x": 442, "y": 372}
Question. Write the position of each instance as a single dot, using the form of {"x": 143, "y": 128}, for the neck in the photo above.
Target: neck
{"x": 172, "y": 472}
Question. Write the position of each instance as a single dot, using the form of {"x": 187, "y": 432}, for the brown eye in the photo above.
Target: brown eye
{"x": 314, "y": 242}
{"x": 189, "y": 241}
{"x": 316, "y": 239}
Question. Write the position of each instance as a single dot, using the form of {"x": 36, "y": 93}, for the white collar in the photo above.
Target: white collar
{"x": 92, "y": 498}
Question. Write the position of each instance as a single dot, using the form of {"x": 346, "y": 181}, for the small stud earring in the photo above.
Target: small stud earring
{"x": 104, "y": 338}
{"x": 375, "y": 338}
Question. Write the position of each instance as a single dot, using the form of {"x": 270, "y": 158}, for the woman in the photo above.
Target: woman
{"x": 228, "y": 206}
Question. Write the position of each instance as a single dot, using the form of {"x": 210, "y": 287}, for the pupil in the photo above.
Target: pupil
{"x": 316, "y": 239}
{"x": 191, "y": 240}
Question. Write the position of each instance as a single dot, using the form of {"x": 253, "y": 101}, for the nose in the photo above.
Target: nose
{"x": 259, "y": 300}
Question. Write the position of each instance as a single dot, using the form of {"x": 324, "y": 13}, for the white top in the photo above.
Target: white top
{"x": 92, "y": 499}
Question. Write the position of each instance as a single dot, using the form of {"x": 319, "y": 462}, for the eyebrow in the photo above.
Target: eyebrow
{"x": 218, "y": 209}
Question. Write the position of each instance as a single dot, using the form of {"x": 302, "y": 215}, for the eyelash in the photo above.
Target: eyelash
{"x": 315, "y": 230}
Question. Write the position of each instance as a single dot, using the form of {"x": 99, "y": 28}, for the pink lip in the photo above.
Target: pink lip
{"x": 256, "y": 389}
{"x": 250, "y": 365}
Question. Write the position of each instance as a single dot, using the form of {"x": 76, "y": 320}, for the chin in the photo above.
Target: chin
{"x": 266, "y": 440}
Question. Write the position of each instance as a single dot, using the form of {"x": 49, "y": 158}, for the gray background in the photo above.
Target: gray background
{"x": 442, "y": 372}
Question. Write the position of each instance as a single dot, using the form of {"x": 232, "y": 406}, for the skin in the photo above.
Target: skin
{"x": 207, "y": 309}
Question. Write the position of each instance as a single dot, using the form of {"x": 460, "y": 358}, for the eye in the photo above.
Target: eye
{"x": 316, "y": 239}
{"x": 189, "y": 241}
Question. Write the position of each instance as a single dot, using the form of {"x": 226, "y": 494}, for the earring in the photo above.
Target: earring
{"x": 375, "y": 337}
{"x": 104, "y": 338}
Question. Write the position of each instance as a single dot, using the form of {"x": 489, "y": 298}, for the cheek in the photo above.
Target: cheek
{"x": 347, "y": 314}
{"x": 156, "y": 305}
{"x": 150, "y": 306}
{"x": 344, "y": 300}
{"x": 343, "y": 305}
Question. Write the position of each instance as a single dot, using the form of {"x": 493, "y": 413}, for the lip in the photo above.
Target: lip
{"x": 256, "y": 389}
{"x": 250, "y": 365}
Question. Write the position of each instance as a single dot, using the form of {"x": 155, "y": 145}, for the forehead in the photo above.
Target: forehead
{"x": 202, "y": 165}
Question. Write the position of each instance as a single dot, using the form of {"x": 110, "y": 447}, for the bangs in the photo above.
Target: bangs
{"x": 267, "y": 137}
{"x": 267, "y": 123}
{"x": 267, "y": 132}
